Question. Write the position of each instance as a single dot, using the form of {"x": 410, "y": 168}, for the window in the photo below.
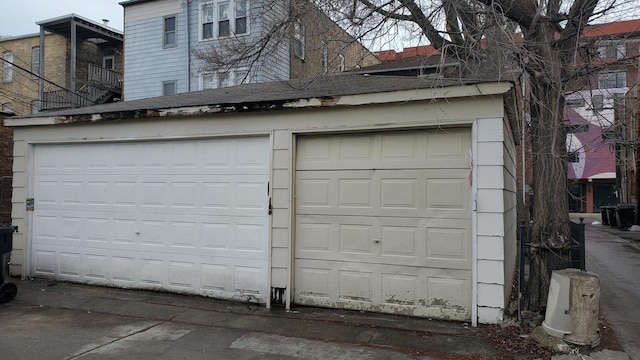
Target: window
{"x": 612, "y": 51}
{"x": 299, "y": 40}
{"x": 7, "y": 66}
{"x": 207, "y": 22}
{"x": 612, "y": 79}
{"x": 573, "y": 157}
{"x": 35, "y": 61}
{"x": 325, "y": 58}
{"x": 6, "y": 107}
{"x": 597, "y": 102}
{"x": 341, "y": 59}
{"x": 168, "y": 88}
{"x": 219, "y": 79}
{"x": 223, "y": 20}
{"x": 108, "y": 62}
{"x": 241, "y": 17}
{"x": 170, "y": 31}
{"x": 574, "y": 103}
{"x": 220, "y": 13}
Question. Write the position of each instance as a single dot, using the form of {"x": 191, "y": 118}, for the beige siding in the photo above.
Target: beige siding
{"x": 280, "y": 201}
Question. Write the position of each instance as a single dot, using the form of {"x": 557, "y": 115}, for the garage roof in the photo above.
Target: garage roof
{"x": 298, "y": 93}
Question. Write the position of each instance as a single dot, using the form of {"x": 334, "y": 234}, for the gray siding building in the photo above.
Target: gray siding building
{"x": 175, "y": 46}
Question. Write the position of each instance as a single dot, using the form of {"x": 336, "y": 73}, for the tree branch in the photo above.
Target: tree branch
{"x": 522, "y": 12}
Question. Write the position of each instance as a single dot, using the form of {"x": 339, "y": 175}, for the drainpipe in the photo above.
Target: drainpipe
{"x": 41, "y": 70}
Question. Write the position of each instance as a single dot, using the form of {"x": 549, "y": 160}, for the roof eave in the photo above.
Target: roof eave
{"x": 399, "y": 96}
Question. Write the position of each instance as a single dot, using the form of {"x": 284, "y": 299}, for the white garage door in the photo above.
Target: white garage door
{"x": 383, "y": 222}
{"x": 186, "y": 216}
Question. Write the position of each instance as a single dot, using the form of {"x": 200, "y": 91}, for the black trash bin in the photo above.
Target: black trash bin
{"x": 611, "y": 215}
{"x": 604, "y": 213}
{"x": 625, "y": 214}
{"x": 8, "y": 291}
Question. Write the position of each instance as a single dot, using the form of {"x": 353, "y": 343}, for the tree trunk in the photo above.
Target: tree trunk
{"x": 550, "y": 237}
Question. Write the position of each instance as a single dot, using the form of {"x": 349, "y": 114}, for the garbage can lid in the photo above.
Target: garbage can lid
{"x": 626, "y": 206}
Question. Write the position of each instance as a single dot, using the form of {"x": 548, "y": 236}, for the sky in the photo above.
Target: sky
{"x": 19, "y": 17}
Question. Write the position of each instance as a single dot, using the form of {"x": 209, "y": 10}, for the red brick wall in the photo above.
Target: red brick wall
{"x": 6, "y": 164}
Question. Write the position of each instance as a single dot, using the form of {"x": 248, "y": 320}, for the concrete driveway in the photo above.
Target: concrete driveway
{"x": 50, "y": 320}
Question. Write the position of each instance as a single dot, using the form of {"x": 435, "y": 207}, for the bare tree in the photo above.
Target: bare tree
{"x": 537, "y": 38}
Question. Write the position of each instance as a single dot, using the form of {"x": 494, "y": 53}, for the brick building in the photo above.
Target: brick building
{"x": 54, "y": 69}
{"x": 6, "y": 165}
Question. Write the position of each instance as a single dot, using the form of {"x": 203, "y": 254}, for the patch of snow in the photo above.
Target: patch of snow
{"x": 634, "y": 228}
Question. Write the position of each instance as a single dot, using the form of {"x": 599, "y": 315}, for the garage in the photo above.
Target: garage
{"x": 185, "y": 215}
{"x": 383, "y": 222}
{"x": 373, "y": 193}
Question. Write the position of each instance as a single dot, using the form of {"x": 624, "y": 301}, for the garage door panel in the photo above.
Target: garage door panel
{"x": 387, "y": 288}
{"x": 241, "y": 195}
{"x": 402, "y": 241}
{"x": 186, "y": 215}
{"x": 402, "y": 193}
{"x": 383, "y": 222}
{"x": 445, "y": 149}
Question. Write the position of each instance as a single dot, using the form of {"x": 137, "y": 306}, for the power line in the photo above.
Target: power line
{"x": 45, "y": 79}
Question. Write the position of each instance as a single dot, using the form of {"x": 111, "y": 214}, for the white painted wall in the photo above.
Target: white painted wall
{"x": 496, "y": 217}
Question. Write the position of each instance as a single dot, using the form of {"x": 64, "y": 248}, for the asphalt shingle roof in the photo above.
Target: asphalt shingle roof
{"x": 266, "y": 95}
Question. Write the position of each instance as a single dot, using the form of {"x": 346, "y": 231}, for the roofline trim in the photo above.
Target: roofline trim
{"x": 398, "y": 96}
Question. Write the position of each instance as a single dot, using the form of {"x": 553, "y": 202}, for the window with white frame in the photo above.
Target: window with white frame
{"x": 341, "y": 59}
{"x": 35, "y": 61}
{"x": 206, "y": 21}
{"x": 612, "y": 79}
{"x": 224, "y": 24}
{"x": 170, "y": 31}
{"x": 612, "y": 51}
{"x": 7, "y": 66}
{"x": 108, "y": 62}
{"x": 222, "y": 78}
{"x": 242, "y": 18}
{"x": 299, "y": 39}
{"x": 224, "y": 18}
{"x": 169, "y": 87}
{"x": 325, "y": 57}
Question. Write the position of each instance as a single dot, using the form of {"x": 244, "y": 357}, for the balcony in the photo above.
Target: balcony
{"x": 102, "y": 85}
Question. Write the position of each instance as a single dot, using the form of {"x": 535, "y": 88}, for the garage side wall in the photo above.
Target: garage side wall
{"x": 496, "y": 219}
{"x": 511, "y": 213}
